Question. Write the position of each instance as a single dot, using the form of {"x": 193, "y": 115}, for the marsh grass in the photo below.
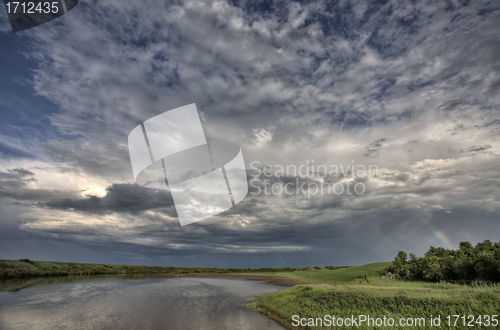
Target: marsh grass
{"x": 342, "y": 295}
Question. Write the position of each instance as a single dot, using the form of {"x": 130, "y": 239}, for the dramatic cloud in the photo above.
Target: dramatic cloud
{"x": 409, "y": 89}
{"x": 128, "y": 198}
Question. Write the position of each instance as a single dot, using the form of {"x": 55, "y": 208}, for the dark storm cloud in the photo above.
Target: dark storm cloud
{"x": 119, "y": 198}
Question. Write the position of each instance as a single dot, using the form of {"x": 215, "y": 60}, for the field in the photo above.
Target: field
{"x": 337, "y": 275}
{"x": 346, "y": 292}
{"x": 24, "y": 268}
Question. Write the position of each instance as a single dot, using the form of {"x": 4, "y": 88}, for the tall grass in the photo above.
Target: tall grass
{"x": 355, "y": 294}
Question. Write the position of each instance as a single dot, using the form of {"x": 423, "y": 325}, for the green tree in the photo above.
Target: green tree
{"x": 467, "y": 263}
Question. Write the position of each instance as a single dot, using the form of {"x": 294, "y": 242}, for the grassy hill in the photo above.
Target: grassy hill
{"x": 338, "y": 275}
{"x": 25, "y": 268}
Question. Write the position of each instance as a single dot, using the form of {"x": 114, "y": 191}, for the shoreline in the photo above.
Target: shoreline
{"x": 25, "y": 268}
{"x": 278, "y": 280}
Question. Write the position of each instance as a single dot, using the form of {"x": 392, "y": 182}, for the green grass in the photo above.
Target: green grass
{"x": 342, "y": 294}
{"x": 25, "y": 268}
{"x": 318, "y": 300}
{"x": 339, "y": 275}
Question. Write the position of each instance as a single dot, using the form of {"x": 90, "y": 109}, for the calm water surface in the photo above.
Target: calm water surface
{"x": 150, "y": 303}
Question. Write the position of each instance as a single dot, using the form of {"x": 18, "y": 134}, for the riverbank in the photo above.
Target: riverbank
{"x": 273, "y": 279}
{"x": 25, "y": 268}
{"x": 348, "y": 293}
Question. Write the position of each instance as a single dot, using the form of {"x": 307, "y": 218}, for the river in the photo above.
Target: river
{"x": 145, "y": 303}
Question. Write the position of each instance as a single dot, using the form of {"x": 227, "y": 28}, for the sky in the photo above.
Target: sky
{"x": 410, "y": 88}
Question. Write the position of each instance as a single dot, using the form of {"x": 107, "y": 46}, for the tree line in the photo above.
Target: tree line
{"x": 466, "y": 264}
